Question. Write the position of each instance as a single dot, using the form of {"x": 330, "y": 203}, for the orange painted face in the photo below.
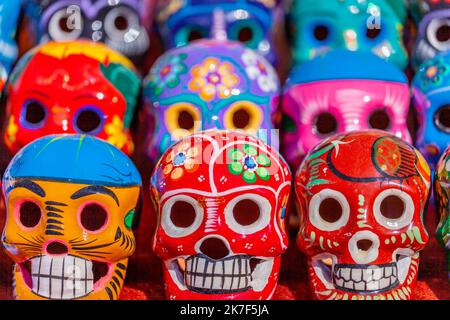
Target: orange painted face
{"x": 68, "y": 240}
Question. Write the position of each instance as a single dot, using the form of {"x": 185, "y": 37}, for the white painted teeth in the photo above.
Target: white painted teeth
{"x": 365, "y": 279}
{"x": 228, "y": 275}
{"x": 61, "y": 277}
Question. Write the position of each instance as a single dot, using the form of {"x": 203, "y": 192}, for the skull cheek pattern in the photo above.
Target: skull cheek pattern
{"x": 231, "y": 246}
{"x": 353, "y": 25}
{"x": 226, "y": 87}
{"x": 441, "y": 188}
{"x": 121, "y": 27}
{"x": 361, "y": 223}
{"x": 182, "y": 22}
{"x": 43, "y": 99}
{"x": 69, "y": 240}
{"x": 430, "y": 99}
{"x": 316, "y": 109}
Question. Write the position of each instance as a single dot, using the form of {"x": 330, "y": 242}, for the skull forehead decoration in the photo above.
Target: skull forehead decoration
{"x": 10, "y": 11}
{"x": 431, "y": 87}
{"x": 210, "y": 84}
{"x": 361, "y": 220}
{"x": 323, "y": 98}
{"x": 441, "y": 196}
{"x": 222, "y": 199}
{"x": 71, "y": 87}
{"x": 374, "y": 26}
{"x": 247, "y": 21}
{"x": 122, "y": 25}
{"x": 433, "y": 20}
{"x": 71, "y": 201}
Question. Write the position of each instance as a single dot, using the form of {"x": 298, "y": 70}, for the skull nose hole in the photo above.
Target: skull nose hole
{"x": 56, "y": 247}
{"x": 364, "y": 244}
{"x": 214, "y": 248}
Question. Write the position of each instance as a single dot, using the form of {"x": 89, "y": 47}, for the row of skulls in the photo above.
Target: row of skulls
{"x": 221, "y": 236}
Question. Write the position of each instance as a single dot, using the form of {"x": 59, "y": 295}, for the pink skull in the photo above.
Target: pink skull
{"x": 221, "y": 198}
{"x": 323, "y": 98}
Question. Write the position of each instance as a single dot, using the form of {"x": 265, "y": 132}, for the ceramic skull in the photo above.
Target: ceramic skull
{"x": 247, "y": 21}
{"x": 339, "y": 92}
{"x": 441, "y": 197}
{"x": 374, "y": 26}
{"x": 210, "y": 84}
{"x": 71, "y": 201}
{"x": 433, "y": 25}
{"x": 71, "y": 87}
{"x": 432, "y": 104}
{"x": 9, "y": 11}
{"x": 122, "y": 25}
{"x": 222, "y": 199}
{"x": 361, "y": 217}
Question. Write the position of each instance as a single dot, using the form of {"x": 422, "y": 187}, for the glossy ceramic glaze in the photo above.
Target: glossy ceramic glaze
{"x": 222, "y": 200}
{"x": 71, "y": 87}
{"x": 361, "y": 199}
{"x": 70, "y": 204}
{"x": 9, "y": 16}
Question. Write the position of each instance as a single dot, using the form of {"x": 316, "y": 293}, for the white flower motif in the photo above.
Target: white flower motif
{"x": 259, "y": 69}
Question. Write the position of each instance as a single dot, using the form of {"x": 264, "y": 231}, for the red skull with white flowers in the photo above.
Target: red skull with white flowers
{"x": 361, "y": 198}
{"x": 221, "y": 198}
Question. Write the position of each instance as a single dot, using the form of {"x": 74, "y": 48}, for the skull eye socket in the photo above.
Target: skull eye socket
{"x": 379, "y": 119}
{"x": 34, "y": 113}
{"x": 29, "y": 214}
{"x": 186, "y": 120}
{"x": 393, "y": 209}
{"x": 325, "y": 124}
{"x": 89, "y": 121}
{"x": 120, "y": 22}
{"x": 247, "y": 214}
{"x": 65, "y": 24}
{"x": 321, "y": 32}
{"x": 182, "y": 214}
{"x": 442, "y": 118}
{"x": 243, "y": 115}
{"x": 182, "y": 119}
{"x": 93, "y": 217}
{"x": 438, "y": 34}
{"x": 245, "y": 34}
{"x": 373, "y": 33}
{"x": 329, "y": 210}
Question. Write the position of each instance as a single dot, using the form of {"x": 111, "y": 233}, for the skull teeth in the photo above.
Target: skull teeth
{"x": 365, "y": 279}
{"x": 61, "y": 277}
{"x": 228, "y": 275}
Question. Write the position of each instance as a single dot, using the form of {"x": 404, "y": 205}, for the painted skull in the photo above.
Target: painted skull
{"x": 433, "y": 23}
{"x": 210, "y": 84}
{"x": 121, "y": 24}
{"x": 431, "y": 88}
{"x": 71, "y": 87}
{"x": 70, "y": 201}
{"x": 441, "y": 197}
{"x": 373, "y": 26}
{"x": 223, "y": 236}
{"x": 9, "y": 16}
{"x": 361, "y": 221}
{"x": 247, "y": 21}
{"x": 322, "y": 98}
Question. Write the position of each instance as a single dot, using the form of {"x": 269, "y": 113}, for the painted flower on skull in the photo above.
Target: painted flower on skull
{"x": 435, "y": 72}
{"x": 249, "y": 163}
{"x": 213, "y": 78}
{"x": 183, "y": 158}
{"x": 167, "y": 73}
{"x": 260, "y": 70}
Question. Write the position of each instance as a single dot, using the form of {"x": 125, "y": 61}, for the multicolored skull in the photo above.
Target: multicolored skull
{"x": 210, "y": 84}
{"x": 247, "y": 21}
{"x": 441, "y": 197}
{"x": 361, "y": 199}
{"x": 433, "y": 23}
{"x": 222, "y": 200}
{"x": 322, "y": 98}
{"x": 431, "y": 89}
{"x": 71, "y": 87}
{"x": 9, "y": 16}
{"x": 71, "y": 201}
{"x": 121, "y": 24}
{"x": 373, "y": 26}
